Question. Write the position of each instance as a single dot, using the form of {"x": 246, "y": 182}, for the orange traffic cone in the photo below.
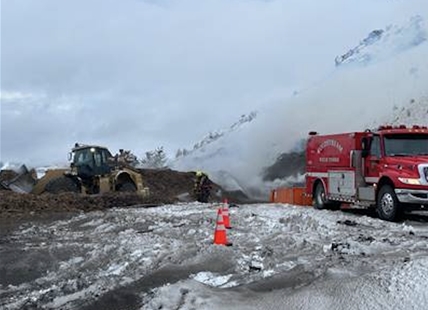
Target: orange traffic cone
{"x": 220, "y": 231}
{"x": 226, "y": 217}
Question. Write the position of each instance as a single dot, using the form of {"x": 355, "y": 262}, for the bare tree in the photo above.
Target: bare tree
{"x": 155, "y": 159}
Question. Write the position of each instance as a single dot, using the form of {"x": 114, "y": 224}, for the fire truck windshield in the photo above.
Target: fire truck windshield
{"x": 406, "y": 144}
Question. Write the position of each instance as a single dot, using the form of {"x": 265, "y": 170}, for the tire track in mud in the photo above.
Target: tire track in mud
{"x": 129, "y": 297}
{"x": 294, "y": 278}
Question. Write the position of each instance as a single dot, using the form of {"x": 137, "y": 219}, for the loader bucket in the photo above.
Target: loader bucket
{"x": 39, "y": 187}
{"x": 23, "y": 182}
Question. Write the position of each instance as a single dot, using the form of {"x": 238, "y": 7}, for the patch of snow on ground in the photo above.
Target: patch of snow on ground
{"x": 212, "y": 279}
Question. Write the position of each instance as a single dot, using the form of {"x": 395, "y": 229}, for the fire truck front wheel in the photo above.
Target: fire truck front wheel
{"x": 388, "y": 206}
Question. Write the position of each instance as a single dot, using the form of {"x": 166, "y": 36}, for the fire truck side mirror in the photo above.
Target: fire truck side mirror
{"x": 365, "y": 153}
{"x": 365, "y": 146}
{"x": 353, "y": 159}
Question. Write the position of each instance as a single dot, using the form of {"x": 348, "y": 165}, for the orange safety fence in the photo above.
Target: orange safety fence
{"x": 291, "y": 195}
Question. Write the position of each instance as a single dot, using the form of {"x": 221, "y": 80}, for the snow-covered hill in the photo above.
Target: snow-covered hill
{"x": 215, "y": 135}
{"x": 381, "y": 44}
{"x": 390, "y": 88}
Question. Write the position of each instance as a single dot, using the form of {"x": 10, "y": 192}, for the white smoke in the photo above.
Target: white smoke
{"x": 353, "y": 98}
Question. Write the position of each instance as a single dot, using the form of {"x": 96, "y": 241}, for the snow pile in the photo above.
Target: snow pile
{"x": 10, "y": 166}
{"x": 303, "y": 259}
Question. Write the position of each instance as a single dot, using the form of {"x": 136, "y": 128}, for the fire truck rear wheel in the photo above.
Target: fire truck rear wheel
{"x": 321, "y": 202}
{"x": 388, "y": 206}
{"x": 319, "y": 197}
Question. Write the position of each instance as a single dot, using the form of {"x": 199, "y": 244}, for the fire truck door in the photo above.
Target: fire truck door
{"x": 371, "y": 163}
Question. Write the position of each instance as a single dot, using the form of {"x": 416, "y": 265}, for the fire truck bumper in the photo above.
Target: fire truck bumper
{"x": 412, "y": 196}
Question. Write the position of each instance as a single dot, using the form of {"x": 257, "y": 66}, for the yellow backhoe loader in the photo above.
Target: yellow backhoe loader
{"x": 93, "y": 170}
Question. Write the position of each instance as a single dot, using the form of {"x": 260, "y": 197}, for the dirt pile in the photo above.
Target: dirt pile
{"x": 167, "y": 182}
{"x": 15, "y": 204}
{"x": 166, "y": 186}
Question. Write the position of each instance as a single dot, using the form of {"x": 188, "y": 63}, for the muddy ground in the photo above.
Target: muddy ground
{"x": 166, "y": 187}
{"x": 282, "y": 257}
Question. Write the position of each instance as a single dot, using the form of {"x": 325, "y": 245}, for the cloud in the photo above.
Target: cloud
{"x": 140, "y": 74}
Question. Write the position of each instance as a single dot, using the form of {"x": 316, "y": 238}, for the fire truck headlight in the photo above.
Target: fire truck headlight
{"x": 410, "y": 181}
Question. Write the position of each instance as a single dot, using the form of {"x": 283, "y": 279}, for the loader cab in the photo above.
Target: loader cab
{"x": 90, "y": 161}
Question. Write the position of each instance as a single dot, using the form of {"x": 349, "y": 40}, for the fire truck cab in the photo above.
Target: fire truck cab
{"x": 385, "y": 168}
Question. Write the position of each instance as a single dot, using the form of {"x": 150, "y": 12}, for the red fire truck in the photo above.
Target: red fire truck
{"x": 386, "y": 168}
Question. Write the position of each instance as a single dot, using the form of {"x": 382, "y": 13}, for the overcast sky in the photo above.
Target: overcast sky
{"x": 139, "y": 74}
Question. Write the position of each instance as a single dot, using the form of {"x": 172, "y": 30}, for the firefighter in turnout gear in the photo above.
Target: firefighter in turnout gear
{"x": 202, "y": 187}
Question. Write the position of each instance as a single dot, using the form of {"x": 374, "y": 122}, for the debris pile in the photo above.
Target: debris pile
{"x": 166, "y": 187}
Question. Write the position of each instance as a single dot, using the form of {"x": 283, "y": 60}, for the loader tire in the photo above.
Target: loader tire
{"x": 127, "y": 187}
{"x": 388, "y": 207}
{"x": 62, "y": 185}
